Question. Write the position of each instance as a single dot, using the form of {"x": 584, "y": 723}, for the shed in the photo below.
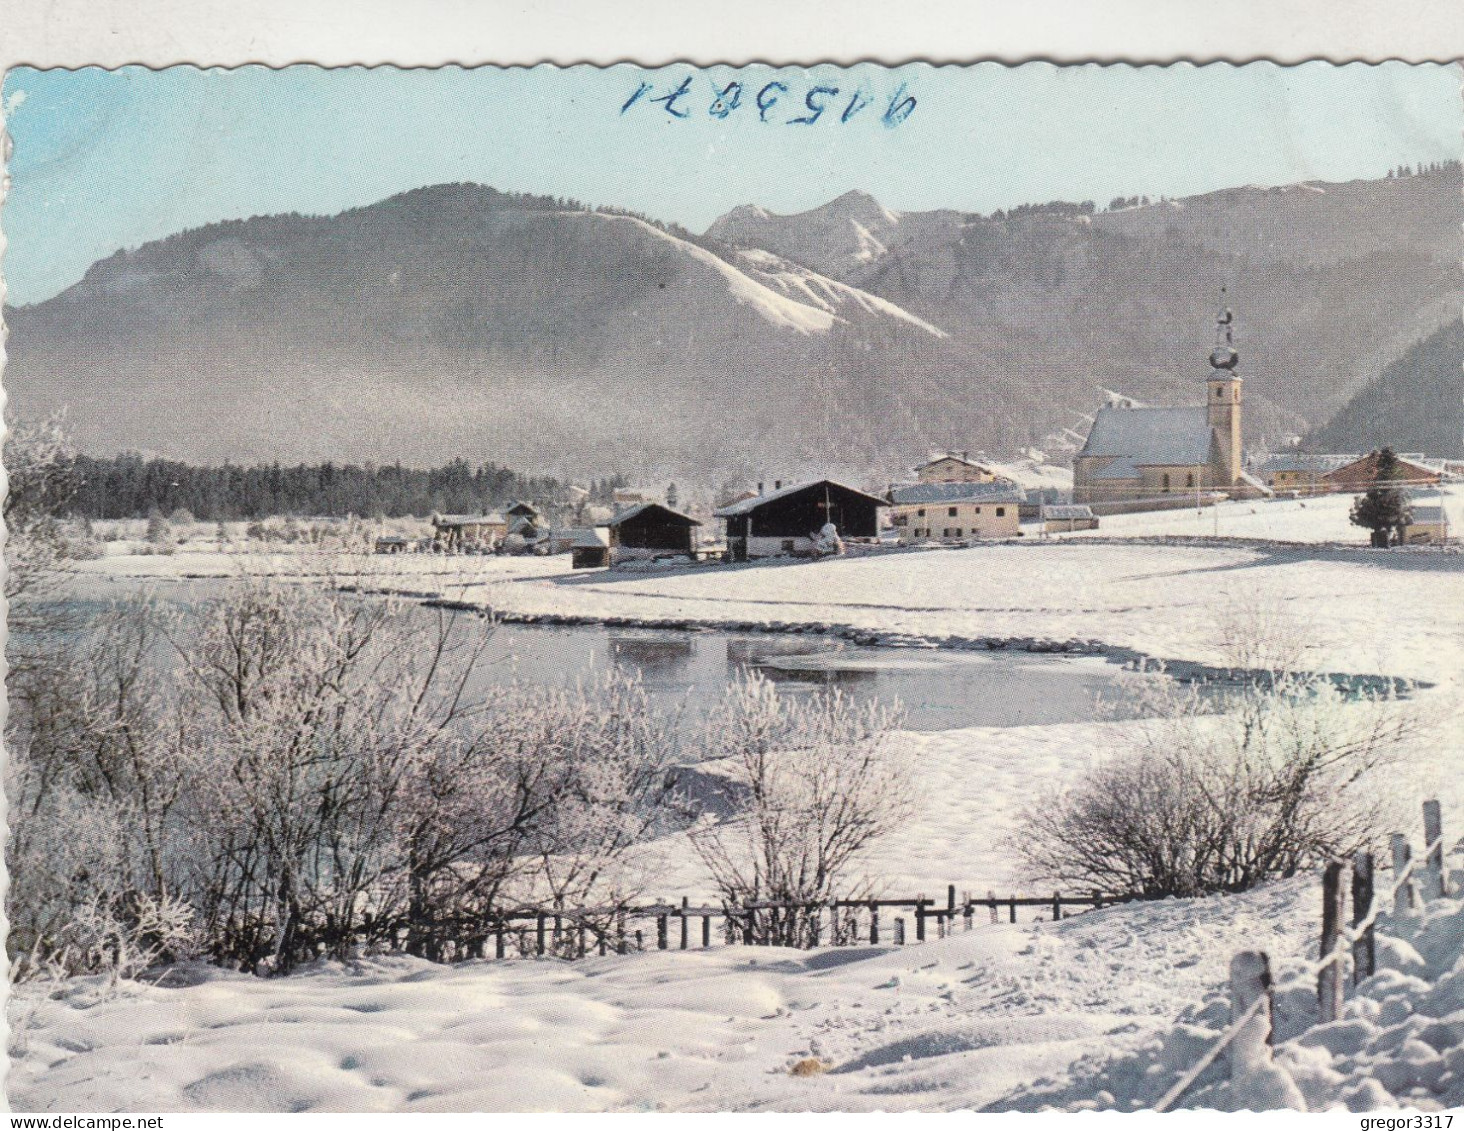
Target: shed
{"x": 393, "y": 544}
{"x": 651, "y": 530}
{"x": 1428, "y": 525}
{"x": 790, "y": 521}
{"x": 590, "y": 549}
{"x": 1067, "y": 517}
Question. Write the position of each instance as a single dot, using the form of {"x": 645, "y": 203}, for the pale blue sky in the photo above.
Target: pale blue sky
{"x": 106, "y": 160}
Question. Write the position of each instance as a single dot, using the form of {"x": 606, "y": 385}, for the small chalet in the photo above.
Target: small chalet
{"x": 463, "y": 533}
{"x": 589, "y": 549}
{"x": 1060, "y": 518}
{"x": 651, "y": 530}
{"x": 1362, "y": 473}
{"x": 955, "y": 511}
{"x": 955, "y": 467}
{"x": 793, "y": 521}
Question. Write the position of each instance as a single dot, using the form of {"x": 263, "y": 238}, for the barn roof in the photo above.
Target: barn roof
{"x": 956, "y": 493}
{"x": 587, "y": 538}
{"x": 1151, "y": 436}
{"x": 747, "y": 506}
{"x": 1068, "y": 510}
{"x": 1305, "y": 461}
{"x": 642, "y": 508}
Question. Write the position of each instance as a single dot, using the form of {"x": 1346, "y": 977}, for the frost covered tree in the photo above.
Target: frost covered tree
{"x": 821, "y": 780}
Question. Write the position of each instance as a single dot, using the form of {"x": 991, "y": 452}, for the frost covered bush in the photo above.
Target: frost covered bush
{"x": 1218, "y": 796}
{"x": 822, "y": 779}
{"x": 284, "y": 773}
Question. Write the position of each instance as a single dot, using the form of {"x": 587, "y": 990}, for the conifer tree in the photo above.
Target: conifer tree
{"x": 1384, "y": 508}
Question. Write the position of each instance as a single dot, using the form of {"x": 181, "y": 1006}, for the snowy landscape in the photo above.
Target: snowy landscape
{"x": 649, "y": 600}
{"x": 1106, "y": 1009}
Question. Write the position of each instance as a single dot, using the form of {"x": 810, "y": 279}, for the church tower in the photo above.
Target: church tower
{"x": 1222, "y": 395}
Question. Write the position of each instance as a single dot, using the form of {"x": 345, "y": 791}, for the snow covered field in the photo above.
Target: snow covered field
{"x": 1020, "y": 1017}
{"x": 1077, "y": 1014}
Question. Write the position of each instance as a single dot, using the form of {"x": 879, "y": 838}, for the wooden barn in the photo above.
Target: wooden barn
{"x": 590, "y": 549}
{"x": 789, "y": 520}
{"x": 462, "y": 533}
{"x": 650, "y": 530}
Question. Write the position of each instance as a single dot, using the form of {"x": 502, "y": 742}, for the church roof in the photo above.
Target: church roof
{"x": 1151, "y": 436}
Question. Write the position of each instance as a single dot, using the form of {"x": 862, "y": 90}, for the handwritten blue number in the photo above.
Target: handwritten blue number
{"x": 764, "y": 103}
{"x": 634, "y": 98}
{"x": 670, "y": 99}
{"x": 901, "y": 107}
{"x": 722, "y": 107}
{"x": 816, "y": 108}
{"x": 857, "y": 102}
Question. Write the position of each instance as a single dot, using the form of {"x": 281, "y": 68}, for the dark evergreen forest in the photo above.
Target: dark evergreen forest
{"x": 129, "y": 486}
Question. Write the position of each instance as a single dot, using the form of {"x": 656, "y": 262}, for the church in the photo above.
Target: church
{"x": 1139, "y": 453}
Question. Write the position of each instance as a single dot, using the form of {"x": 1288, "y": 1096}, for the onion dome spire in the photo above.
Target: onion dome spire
{"x": 1224, "y": 355}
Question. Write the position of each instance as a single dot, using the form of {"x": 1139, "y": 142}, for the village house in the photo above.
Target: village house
{"x": 955, "y": 467}
{"x": 1362, "y": 473}
{"x": 1138, "y": 453}
{"x": 651, "y": 530}
{"x": 955, "y": 511}
{"x": 468, "y": 533}
{"x": 1300, "y": 473}
{"x": 795, "y": 520}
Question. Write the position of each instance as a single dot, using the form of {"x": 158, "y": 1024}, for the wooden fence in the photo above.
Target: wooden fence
{"x": 579, "y": 932}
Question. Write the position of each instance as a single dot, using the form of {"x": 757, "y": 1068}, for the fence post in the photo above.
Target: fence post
{"x": 706, "y": 931}
{"x": 663, "y": 927}
{"x": 749, "y": 932}
{"x": 541, "y": 921}
{"x": 1057, "y": 907}
{"x": 622, "y": 946}
{"x": 991, "y": 903}
{"x": 1250, "y": 978}
{"x": 1364, "y": 950}
{"x": 899, "y": 930}
{"x": 640, "y": 939}
{"x": 1097, "y": 900}
{"x": 950, "y": 897}
{"x": 873, "y": 923}
{"x": 498, "y": 945}
{"x": 580, "y": 938}
{"x": 1329, "y": 980}
{"x": 969, "y": 912}
{"x": 602, "y": 936}
{"x": 685, "y": 903}
{"x": 1433, "y": 831}
{"x": 1012, "y": 907}
{"x": 1402, "y": 857}
{"x": 920, "y": 902}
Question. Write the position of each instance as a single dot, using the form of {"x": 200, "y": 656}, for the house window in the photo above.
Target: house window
{"x": 958, "y": 532}
{"x": 1166, "y": 482}
{"x": 1219, "y": 392}
{"x": 920, "y": 513}
{"x": 950, "y": 512}
{"x": 787, "y": 545}
{"x": 1001, "y": 512}
{"x": 978, "y": 510}
{"x": 900, "y": 520}
{"x": 1189, "y": 480}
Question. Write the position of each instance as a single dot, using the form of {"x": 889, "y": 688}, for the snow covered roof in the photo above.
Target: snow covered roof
{"x": 746, "y": 506}
{"x": 1068, "y": 510}
{"x": 639, "y": 508}
{"x": 585, "y": 538}
{"x": 956, "y": 493}
{"x": 1304, "y": 461}
{"x": 1151, "y": 436}
{"x": 1429, "y": 514}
